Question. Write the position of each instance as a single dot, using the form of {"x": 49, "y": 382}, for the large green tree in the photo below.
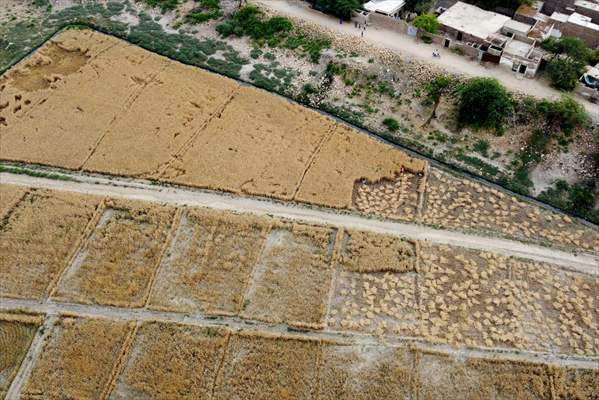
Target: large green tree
{"x": 484, "y": 103}
{"x": 427, "y": 22}
{"x": 570, "y": 55}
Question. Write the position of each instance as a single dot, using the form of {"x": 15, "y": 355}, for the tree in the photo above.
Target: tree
{"x": 564, "y": 73}
{"x": 484, "y": 103}
{"x": 427, "y": 22}
{"x": 340, "y": 8}
{"x": 564, "y": 114}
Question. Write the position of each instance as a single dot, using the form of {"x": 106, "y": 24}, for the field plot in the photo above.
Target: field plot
{"x": 483, "y": 299}
{"x": 171, "y": 361}
{"x": 397, "y": 198}
{"x": 262, "y": 367}
{"x": 58, "y": 81}
{"x": 573, "y": 383}
{"x": 10, "y": 195}
{"x": 260, "y": 144}
{"x": 292, "y": 278}
{"x": 370, "y": 372}
{"x": 467, "y": 205}
{"x": 175, "y": 104}
{"x": 347, "y": 158}
{"x": 37, "y": 238}
{"x": 480, "y": 379}
{"x": 16, "y": 334}
{"x": 77, "y": 360}
{"x": 209, "y": 263}
{"x": 375, "y": 289}
{"x": 116, "y": 264}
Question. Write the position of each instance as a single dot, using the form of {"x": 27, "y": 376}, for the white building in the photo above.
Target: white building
{"x": 390, "y": 8}
{"x": 469, "y": 23}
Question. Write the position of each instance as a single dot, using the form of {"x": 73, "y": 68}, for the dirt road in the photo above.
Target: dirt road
{"x": 139, "y": 190}
{"x": 408, "y": 47}
{"x": 53, "y": 309}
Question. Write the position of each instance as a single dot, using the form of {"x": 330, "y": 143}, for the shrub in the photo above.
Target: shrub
{"x": 484, "y": 103}
{"x": 310, "y": 89}
{"x": 427, "y": 22}
{"x": 391, "y": 124}
{"x": 340, "y": 8}
{"x": 482, "y": 147}
{"x": 564, "y": 114}
{"x": 426, "y": 39}
{"x": 564, "y": 73}
{"x": 577, "y": 199}
{"x": 164, "y": 5}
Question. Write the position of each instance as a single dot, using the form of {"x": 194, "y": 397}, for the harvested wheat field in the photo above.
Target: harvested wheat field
{"x": 116, "y": 263}
{"x": 209, "y": 262}
{"x": 77, "y": 359}
{"x": 16, "y": 334}
{"x": 292, "y": 277}
{"x": 10, "y": 195}
{"x": 32, "y": 258}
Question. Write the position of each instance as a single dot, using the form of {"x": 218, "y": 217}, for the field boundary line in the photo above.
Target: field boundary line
{"x": 81, "y": 243}
{"x": 416, "y": 377}
{"x": 13, "y": 206}
{"x": 422, "y": 186}
{"x": 161, "y": 170}
{"x": 266, "y": 230}
{"x": 121, "y": 360}
{"x": 220, "y": 363}
{"x": 325, "y": 138}
{"x": 335, "y": 260}
{"x": 264, "y": 328}
{"x": 126, "y": 106}
{"x": 35, "y": 348}
{"x": 167, "y": 245}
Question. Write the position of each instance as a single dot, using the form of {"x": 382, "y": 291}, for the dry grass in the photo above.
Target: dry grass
{"x": 209, "y": 262}
{"x": 77, "y": 359}
{"x": 262, "y": 367}
{"x": 16, "y": 333}
{"x": 291, "y": 281}
{"x": 580, "y": 384}
{"x": 480, "y": 379}
{"x": 370, "y": 372}
{"x": 260, "y": 144}
{"x": 171, "y": 361}
{"x": 467, "y": 205}
{"x": 37, "y": 239}
{"x": 350, "y": 157}
{"x": 116, "y": 264}
{"x": 10, "y": 195}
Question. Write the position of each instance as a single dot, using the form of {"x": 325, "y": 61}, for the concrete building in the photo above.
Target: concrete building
{"x": 390, "y": 8}
{"x": 580, "y": 26}
{"x": 588, "y": 8}
{"x": 521, "y": 56}
{"x": 467, "y": 23}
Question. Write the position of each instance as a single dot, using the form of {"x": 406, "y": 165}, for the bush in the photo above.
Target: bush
{"x": 564, "y": 73}
{"x": 391, "y": 124}
{"x": 427, "y": 22}
{"x": 426, "y": 39}
{"x": 340, "y": 8}
{"x": 482, "y": 147}
{"x": 165, "y": 5}
{"x": 484, "y": 103}
{"x": 577, "y": 199}
{"x": 564, "y": 114}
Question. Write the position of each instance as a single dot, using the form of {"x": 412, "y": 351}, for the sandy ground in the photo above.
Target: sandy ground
{"x": 407, "y": 46}
{"x": 132, "y": 190}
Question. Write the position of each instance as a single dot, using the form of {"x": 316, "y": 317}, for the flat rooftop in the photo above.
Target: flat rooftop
{"x": 587, "y": 4}
{"x": 384, "y": 6}
{"x": 472, "y": 20}
{"x": 518, "y": 48}
{"x": 517, "y": 26}
{"x": 582, "y": 20}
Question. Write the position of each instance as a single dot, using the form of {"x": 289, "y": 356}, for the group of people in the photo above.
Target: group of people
{"x": 436, "y": 53}
{"x": 360, "y": 26}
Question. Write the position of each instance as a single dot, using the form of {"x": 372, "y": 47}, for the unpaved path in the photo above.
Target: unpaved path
{"x": 53, "y": 309}
{"x": 34, "y": 351}
{"x": 139, "y": 190}
{"x": 407, "y": 46}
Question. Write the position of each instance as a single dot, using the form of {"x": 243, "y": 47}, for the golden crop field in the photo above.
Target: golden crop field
{"x": 78, "y": 359}
{"x": 209, "y": 263}
{"x": 171, "y": 361}
{"x": 9, "y": 196}
{"x": 38, "y": 234}
{"x": 16, "y": 334}
{"x": 116, "y": 263}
